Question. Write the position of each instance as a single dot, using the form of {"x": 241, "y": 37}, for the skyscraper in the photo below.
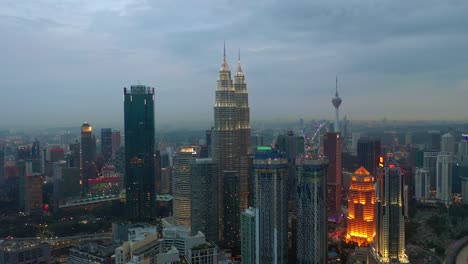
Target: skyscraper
{"x": 182, "y": 185}
{"x": 230, "y": 151}
{"x": 447, "y": 143}
{"x": 106, "y": 144}
{"x": 115, "y": 143}
{"x": 204, "y": 200}
{"x": 311, "y": 210}
{"x": 444, "y": 177}
{"x": 391, "y": 247}
{"x": 243, "y": 124}
{"x": 292, "y": 146}
{"x": 88, "y": 155}
{"x": 332, "y": 150}
{"x": 422, "y": 184}
{"x": 368, "y": 150}
{"x": 361, "y": 203}
{"x": 75, "y": 159}
{"x": 271, "y": 193}
{"x": 336, "y": 101}
{"x": 435, "y": 140}
{"x": 249, "y": 225}
{"x": 139, "y": 150}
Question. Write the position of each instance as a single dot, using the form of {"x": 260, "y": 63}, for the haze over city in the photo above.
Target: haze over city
{"x": 65, "y": 62}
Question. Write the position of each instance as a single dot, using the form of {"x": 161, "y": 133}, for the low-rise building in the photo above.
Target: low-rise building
{"x": 93, "y": 252}
{"x": 15, "y": 252}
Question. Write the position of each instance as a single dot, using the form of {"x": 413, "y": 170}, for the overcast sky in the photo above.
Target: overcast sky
{"x": 63, "y": 62}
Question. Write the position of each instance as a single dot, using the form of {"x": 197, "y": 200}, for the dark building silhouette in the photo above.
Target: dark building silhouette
{"x": 88, "y": 156}
{"x": 332, "y": 150}
{"x": 106, "y": 144}
{"x": 139, "y": 152}
{"x": 291, "y": 146}
{"x": 368, "y": 151}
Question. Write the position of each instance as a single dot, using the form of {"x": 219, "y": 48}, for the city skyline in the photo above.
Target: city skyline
{"x": 87, "y": 51}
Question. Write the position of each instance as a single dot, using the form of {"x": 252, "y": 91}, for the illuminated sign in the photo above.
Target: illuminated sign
{"x": 264, "y": 148}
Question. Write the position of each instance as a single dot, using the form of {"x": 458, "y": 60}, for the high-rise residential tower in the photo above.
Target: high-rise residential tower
{"x": 182, "y": 185}
{"x": 230, "y": 151}
{"x": 88, "y": 155}
{"x": 312, "y": 210}
{"x": 332, "y": 150}
{"x": 271, "y": 194}
{"x": 336, "y": 101}
{"x": 447, "y": 143}
{"x": 391, "y": 247}
{"x": 115, "y": 143}
{"x": 444, "y": 177}
{"x": 361, "y": 208}
{"x": 139, "y": 151}
{"x": 106, "y": 144}
{"x": 422, "y": 183}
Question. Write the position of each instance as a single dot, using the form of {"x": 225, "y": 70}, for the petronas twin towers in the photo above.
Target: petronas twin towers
{"x": 231, "y": 150}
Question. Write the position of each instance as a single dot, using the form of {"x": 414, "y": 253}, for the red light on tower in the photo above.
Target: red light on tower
{"x": 392, "y": 166}
{"x": 46, "y": 207}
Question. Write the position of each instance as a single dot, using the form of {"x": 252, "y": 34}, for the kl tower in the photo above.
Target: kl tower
{"x": 336, "y": 101}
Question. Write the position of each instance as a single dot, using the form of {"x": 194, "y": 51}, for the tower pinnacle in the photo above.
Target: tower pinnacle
{"x": 239, "y": 68}
{"x": 224, "y": 66}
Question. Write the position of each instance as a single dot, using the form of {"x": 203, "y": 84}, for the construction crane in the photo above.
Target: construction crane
{"x": 310, "y": 144}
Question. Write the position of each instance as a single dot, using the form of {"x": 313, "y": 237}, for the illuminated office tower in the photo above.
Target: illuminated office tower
{"x": 249, "y": 243}
{"x": 332, "y": 150}
{"x": 204, "y": 202}
{"x": 139, "y": 151}
{"x": 391, "y": 248}
{"x": 312, "y": 230}
{"x": 88, "y": 156}
{"x": 444, "y": 177}
{"x": 422, "y": 183}
{"x": 182, "y": 185}
{"x": 106, "y": 144}
{"x": 361, "y": 208}
{"x": 271, "y": 193}
{"x": 231, "y": 145}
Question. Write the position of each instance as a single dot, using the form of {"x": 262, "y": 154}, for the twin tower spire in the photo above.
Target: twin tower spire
{"x": 225, "y": 66}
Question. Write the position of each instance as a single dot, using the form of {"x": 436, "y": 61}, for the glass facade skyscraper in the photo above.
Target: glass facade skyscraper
{"x": 312, "y": 230}
{"x": 106, "y": 144}
{"x": 139, "y": 151}
{"x": 271, "y": 193}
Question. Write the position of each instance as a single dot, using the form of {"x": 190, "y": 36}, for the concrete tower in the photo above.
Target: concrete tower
{"x": 336, "y": 101}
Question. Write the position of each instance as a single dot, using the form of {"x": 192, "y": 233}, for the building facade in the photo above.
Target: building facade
{"x": 312, "y": 230}
{"x": 361, "y": 208}
{"x": 231, "y": 147}
{"x": 106, "y": 144}
{"x": 444, "y": 177}
{"x": 204, "y": 202}
{"x": 391, "y": 247}
{"x": 139, "y": 151}
{"x": 332, "y": 150}
{"x": 422, "y": 184}
{"x": 271, "y": 194}
{"x": 182, "y": 185}
{"x": 368, "y": 151}
{"x": 249, "y": 234}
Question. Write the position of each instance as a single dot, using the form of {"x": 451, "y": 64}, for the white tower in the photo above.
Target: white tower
{"x": 336, "y": 101}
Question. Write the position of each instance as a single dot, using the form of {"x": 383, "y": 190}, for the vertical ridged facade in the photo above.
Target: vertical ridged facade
{"x": 231, "y": 149}
{"x": 312, "y": 247}
{"x": 182, "y": 181}
{"x": 271, "y": 189}
{"x": 391, "y": 247}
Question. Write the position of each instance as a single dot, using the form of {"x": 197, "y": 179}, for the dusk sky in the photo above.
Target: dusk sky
{"x": 63, "y": 62}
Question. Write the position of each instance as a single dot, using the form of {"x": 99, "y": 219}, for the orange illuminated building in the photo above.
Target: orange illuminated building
{"x": 361, "y": 214}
